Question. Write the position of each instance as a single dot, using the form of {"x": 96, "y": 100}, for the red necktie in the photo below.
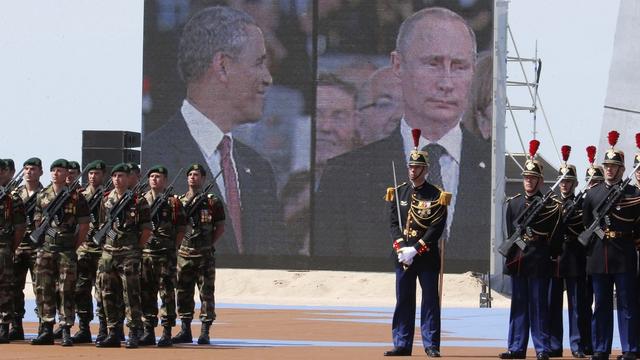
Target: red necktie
{"x": 231, "y": 189}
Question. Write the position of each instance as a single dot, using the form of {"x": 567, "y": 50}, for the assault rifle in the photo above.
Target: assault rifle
{"x": 114, "y": 214}
{"x": 11, "y": 185}
{"x": 51, "y": 211}
{"x": 603, "y": 208}
{"x": 524, "y": 219}
{"x": 30, "y": 206}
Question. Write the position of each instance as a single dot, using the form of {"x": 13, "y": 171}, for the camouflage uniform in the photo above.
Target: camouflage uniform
{"x": 196, "y": 261}
{"x": 119, "y": 265}
{"x": 88, "y": 256}
{"x": 56, "y": 259}
{"x": 11, "y": 215}
{"x": 24, "y": 259}
{"x": 159, "y": 263}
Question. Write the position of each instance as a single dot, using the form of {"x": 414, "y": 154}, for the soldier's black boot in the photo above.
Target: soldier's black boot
{"x": 203, "y": 339}
{"x": 66, "y": 336}
{"x": 83, "y": 335}
{"x": 17, "y": 331}
{"x": 133, "y": 340}
{"x": 165, "y": 339}
{"x": 58, "y": 333}
{"x": 184, "y": 336}
{"x": 111, "y": 341}
{"x": 45, "y": 337}
{"x": 4, "y": 333}
{"x": 148, "y": 337}
{"x": 102, "y": 331}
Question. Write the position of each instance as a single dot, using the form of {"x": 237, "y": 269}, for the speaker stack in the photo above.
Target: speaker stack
{"x": 112, "y": 147}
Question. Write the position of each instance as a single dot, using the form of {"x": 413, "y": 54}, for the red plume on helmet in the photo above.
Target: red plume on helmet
{"x": 613, "y": 137}
{"x": 416, "y": 137}
{"x": 566, "y": 151}
{"x": 533, "y": 148}
{"x": 638, "y": 140}
{"x": 591, "y": 153}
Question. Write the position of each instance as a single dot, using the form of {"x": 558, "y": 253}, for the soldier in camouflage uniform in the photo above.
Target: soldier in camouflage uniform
{"x": 12, "y": 220}
{"x": 159, "y": 258}
{"x": 24, "y": 259}
{"x": 88, "y": 256}
{"x": 196, "y": 261}
{"x": 119, "y": 265}
{"x": 56, "y": 259}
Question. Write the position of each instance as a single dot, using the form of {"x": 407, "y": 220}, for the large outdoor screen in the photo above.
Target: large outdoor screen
{"x": 305, "y": 113}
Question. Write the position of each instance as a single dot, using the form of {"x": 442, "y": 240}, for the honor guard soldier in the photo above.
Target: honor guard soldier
{"x": 569, "y": 270}
{"x": 24, "y": 260}
{"x": 59, "y": 211}
{"x": 159, "y": 258}
{"x": 12, "y": 228}
{"x": 196, "y": 262}
{"x": 636, "y": 160}
{"x": 88, "y": 256}
{"x": 418, "y": 214}
{"x": 612, "y": 207}
{"x": 534, "y": 220}
{"x": 125, "y": 229}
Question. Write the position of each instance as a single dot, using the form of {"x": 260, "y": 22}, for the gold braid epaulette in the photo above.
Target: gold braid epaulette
{"x": 390, "y": 195}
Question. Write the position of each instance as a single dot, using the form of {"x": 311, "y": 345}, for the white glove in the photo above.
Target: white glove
{"x": 406, "y": 254}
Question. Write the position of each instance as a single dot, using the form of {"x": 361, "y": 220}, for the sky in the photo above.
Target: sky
{"x": 73, "y": 65}
{"x": 575, "y": 42}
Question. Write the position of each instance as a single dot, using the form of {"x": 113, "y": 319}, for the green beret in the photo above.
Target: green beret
{"x": 73, "y": 165}
{"x": 34, "y": 161}
{"x": 197, "y": 167}
{"x": 10, "y": 164}
{"x": 59, "y": 163}
{"x": 122, "y": 167}
{"x": 158, "y": 169}
{"x": 96, "y": 165}
{"x": 133, "y": 166}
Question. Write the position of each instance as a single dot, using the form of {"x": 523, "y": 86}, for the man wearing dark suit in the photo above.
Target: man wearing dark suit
{"x": 435, "y": 61}
{"x": 222, "y": 59}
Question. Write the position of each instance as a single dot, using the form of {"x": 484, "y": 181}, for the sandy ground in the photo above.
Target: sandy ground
{"x": 333, "y": 288}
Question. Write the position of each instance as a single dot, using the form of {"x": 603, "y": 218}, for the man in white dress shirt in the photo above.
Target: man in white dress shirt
{"x": 223, "y": 61}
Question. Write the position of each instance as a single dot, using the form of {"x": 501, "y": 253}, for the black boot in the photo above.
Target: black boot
{"x": 102, "y": 331}
{"x": 58, "y": 333}
{"x": 45, "y": 337}
{"x": 165, "y": 339}
{"x": 148, "y": 337}
{"x": 4, "y": 333}
{"x": 17, "y": 331}
{"x": 203, "y": 339}
{"x": 83, "y": 335}
{"x": 66, "y": 336}
{"x": 111, "y": 341}
{"x": 184, "y": 336}
{"x": 133, "y": 340}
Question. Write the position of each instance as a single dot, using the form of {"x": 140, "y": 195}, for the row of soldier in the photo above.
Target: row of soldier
{"x": 130, "y": 239}
{"x": 584, "y": 243}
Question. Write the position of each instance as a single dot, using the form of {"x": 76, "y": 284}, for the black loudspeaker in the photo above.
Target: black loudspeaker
{"x": 110, "y": 156}
{"x": 110, "y": 139}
